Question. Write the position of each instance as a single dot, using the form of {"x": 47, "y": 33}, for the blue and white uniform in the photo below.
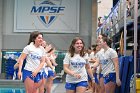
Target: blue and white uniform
{"x": 100, "y": 56}
{"x": 34, "y": 55}
{"x": 108, "y": 68}
{"x": 76, "y": 64}
{"x": 44, "y": 71}
{"x": 51, "y": 72}
{"x": 91, "y": 56}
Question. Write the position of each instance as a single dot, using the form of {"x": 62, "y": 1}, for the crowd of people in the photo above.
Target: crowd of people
{"x": 39, "y": 70}
{"x": 93, "y": 70}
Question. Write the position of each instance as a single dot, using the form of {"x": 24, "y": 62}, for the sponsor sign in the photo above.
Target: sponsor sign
{"x": 51, "y": 16}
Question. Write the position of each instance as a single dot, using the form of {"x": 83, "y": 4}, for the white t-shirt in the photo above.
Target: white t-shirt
{"x": 100, "y": 56}
{"x": 107, "y": 63}
{"x": 76, "y": 64}
{"x": 91, "y": 56}
{"x": 44, "y": 69}
{"x": 51, "y": 57}
{"x": 34, "y": 55}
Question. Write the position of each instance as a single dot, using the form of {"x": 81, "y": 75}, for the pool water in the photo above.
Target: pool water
{"x": 12, "y": 90}
{"x": 20, "y": 88}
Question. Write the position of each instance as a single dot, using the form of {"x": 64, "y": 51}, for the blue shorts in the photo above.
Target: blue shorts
{"x": 44, "y": 75}
{"x": 27, "y": 73}
{"x": 96, "y": 78}
{"x": 15, "y": 76}
{"x": 89, "y": 78}
{"x": 50, "y": 73}
{"x": 110, "y": 77}
{"x": 72, "y": 86}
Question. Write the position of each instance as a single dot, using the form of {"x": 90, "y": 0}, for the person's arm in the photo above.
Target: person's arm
{"x": 53, "y": 62}
{"x": 89, "y": 70}
{"x": 20, "y": 61}
{"x": 52, "y": 59}
{"x": 92, "y": 60}
{"x": 96, "y": 63}
{"x": 16, "y": 65}
{"x": 70, "y": 72}
{"x": 42, "y": 62}
{"x": 66, "y": 65}
{"x": 49, "y": 64}
{"x": 116, "y": 65}
{"x": 67, "y": 70}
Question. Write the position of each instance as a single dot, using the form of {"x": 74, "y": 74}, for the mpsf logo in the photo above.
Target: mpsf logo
{"x": 47, "y": 10}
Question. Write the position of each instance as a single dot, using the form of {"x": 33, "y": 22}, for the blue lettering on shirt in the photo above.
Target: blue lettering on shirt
{"x": 35, "y": 56}
{"x": 78, "y": 63}
{"x": 104, "y": 62}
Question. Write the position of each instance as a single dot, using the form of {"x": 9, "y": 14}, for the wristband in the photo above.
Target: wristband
{"x": 93, "y": 79}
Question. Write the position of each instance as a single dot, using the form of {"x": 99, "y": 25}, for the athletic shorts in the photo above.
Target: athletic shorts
{"x": 44, "y": 75}
{"x": 97, "y": 77}
{"x": 50, "y": 73}
{"x": 89, "y": 79}
{"x": 27, "y": 73}
{"x": 72, "y": 86}
{"x": 110, "y": 77}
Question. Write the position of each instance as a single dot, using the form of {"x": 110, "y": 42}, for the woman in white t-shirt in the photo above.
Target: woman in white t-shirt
{"x": 76, "y": 66}
{"x": 35, "y": 59}
{"x": 110, "y": 66}
{"x": 51, "y": 71}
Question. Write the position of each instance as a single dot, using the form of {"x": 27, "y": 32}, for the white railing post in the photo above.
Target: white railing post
{"x": 135, "y": 39}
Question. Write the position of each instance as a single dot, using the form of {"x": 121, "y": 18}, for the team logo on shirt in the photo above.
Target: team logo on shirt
{"x": 104, "y": 62}
{"x": 77, "y": 63}
{"x": 35, "y": 56}
{"x": 47, "y": 11}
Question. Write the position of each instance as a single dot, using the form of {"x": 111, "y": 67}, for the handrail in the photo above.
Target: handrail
{"x": 112, "y": 10}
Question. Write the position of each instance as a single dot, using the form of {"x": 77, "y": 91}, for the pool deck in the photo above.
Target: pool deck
{"x": 11, "y": 83}
{"x": 57, "y": 87}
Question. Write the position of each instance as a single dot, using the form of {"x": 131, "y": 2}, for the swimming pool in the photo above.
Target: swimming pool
{"x": 16, "y": 86}
{"x": 12, "y": 90}
{"x": 20, "y": 90}
{"x": 11, "y": 86}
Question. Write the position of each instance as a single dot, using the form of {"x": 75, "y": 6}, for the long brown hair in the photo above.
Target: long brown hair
{"x": 72, "y": 49}
{"x": 33, "y": 36}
